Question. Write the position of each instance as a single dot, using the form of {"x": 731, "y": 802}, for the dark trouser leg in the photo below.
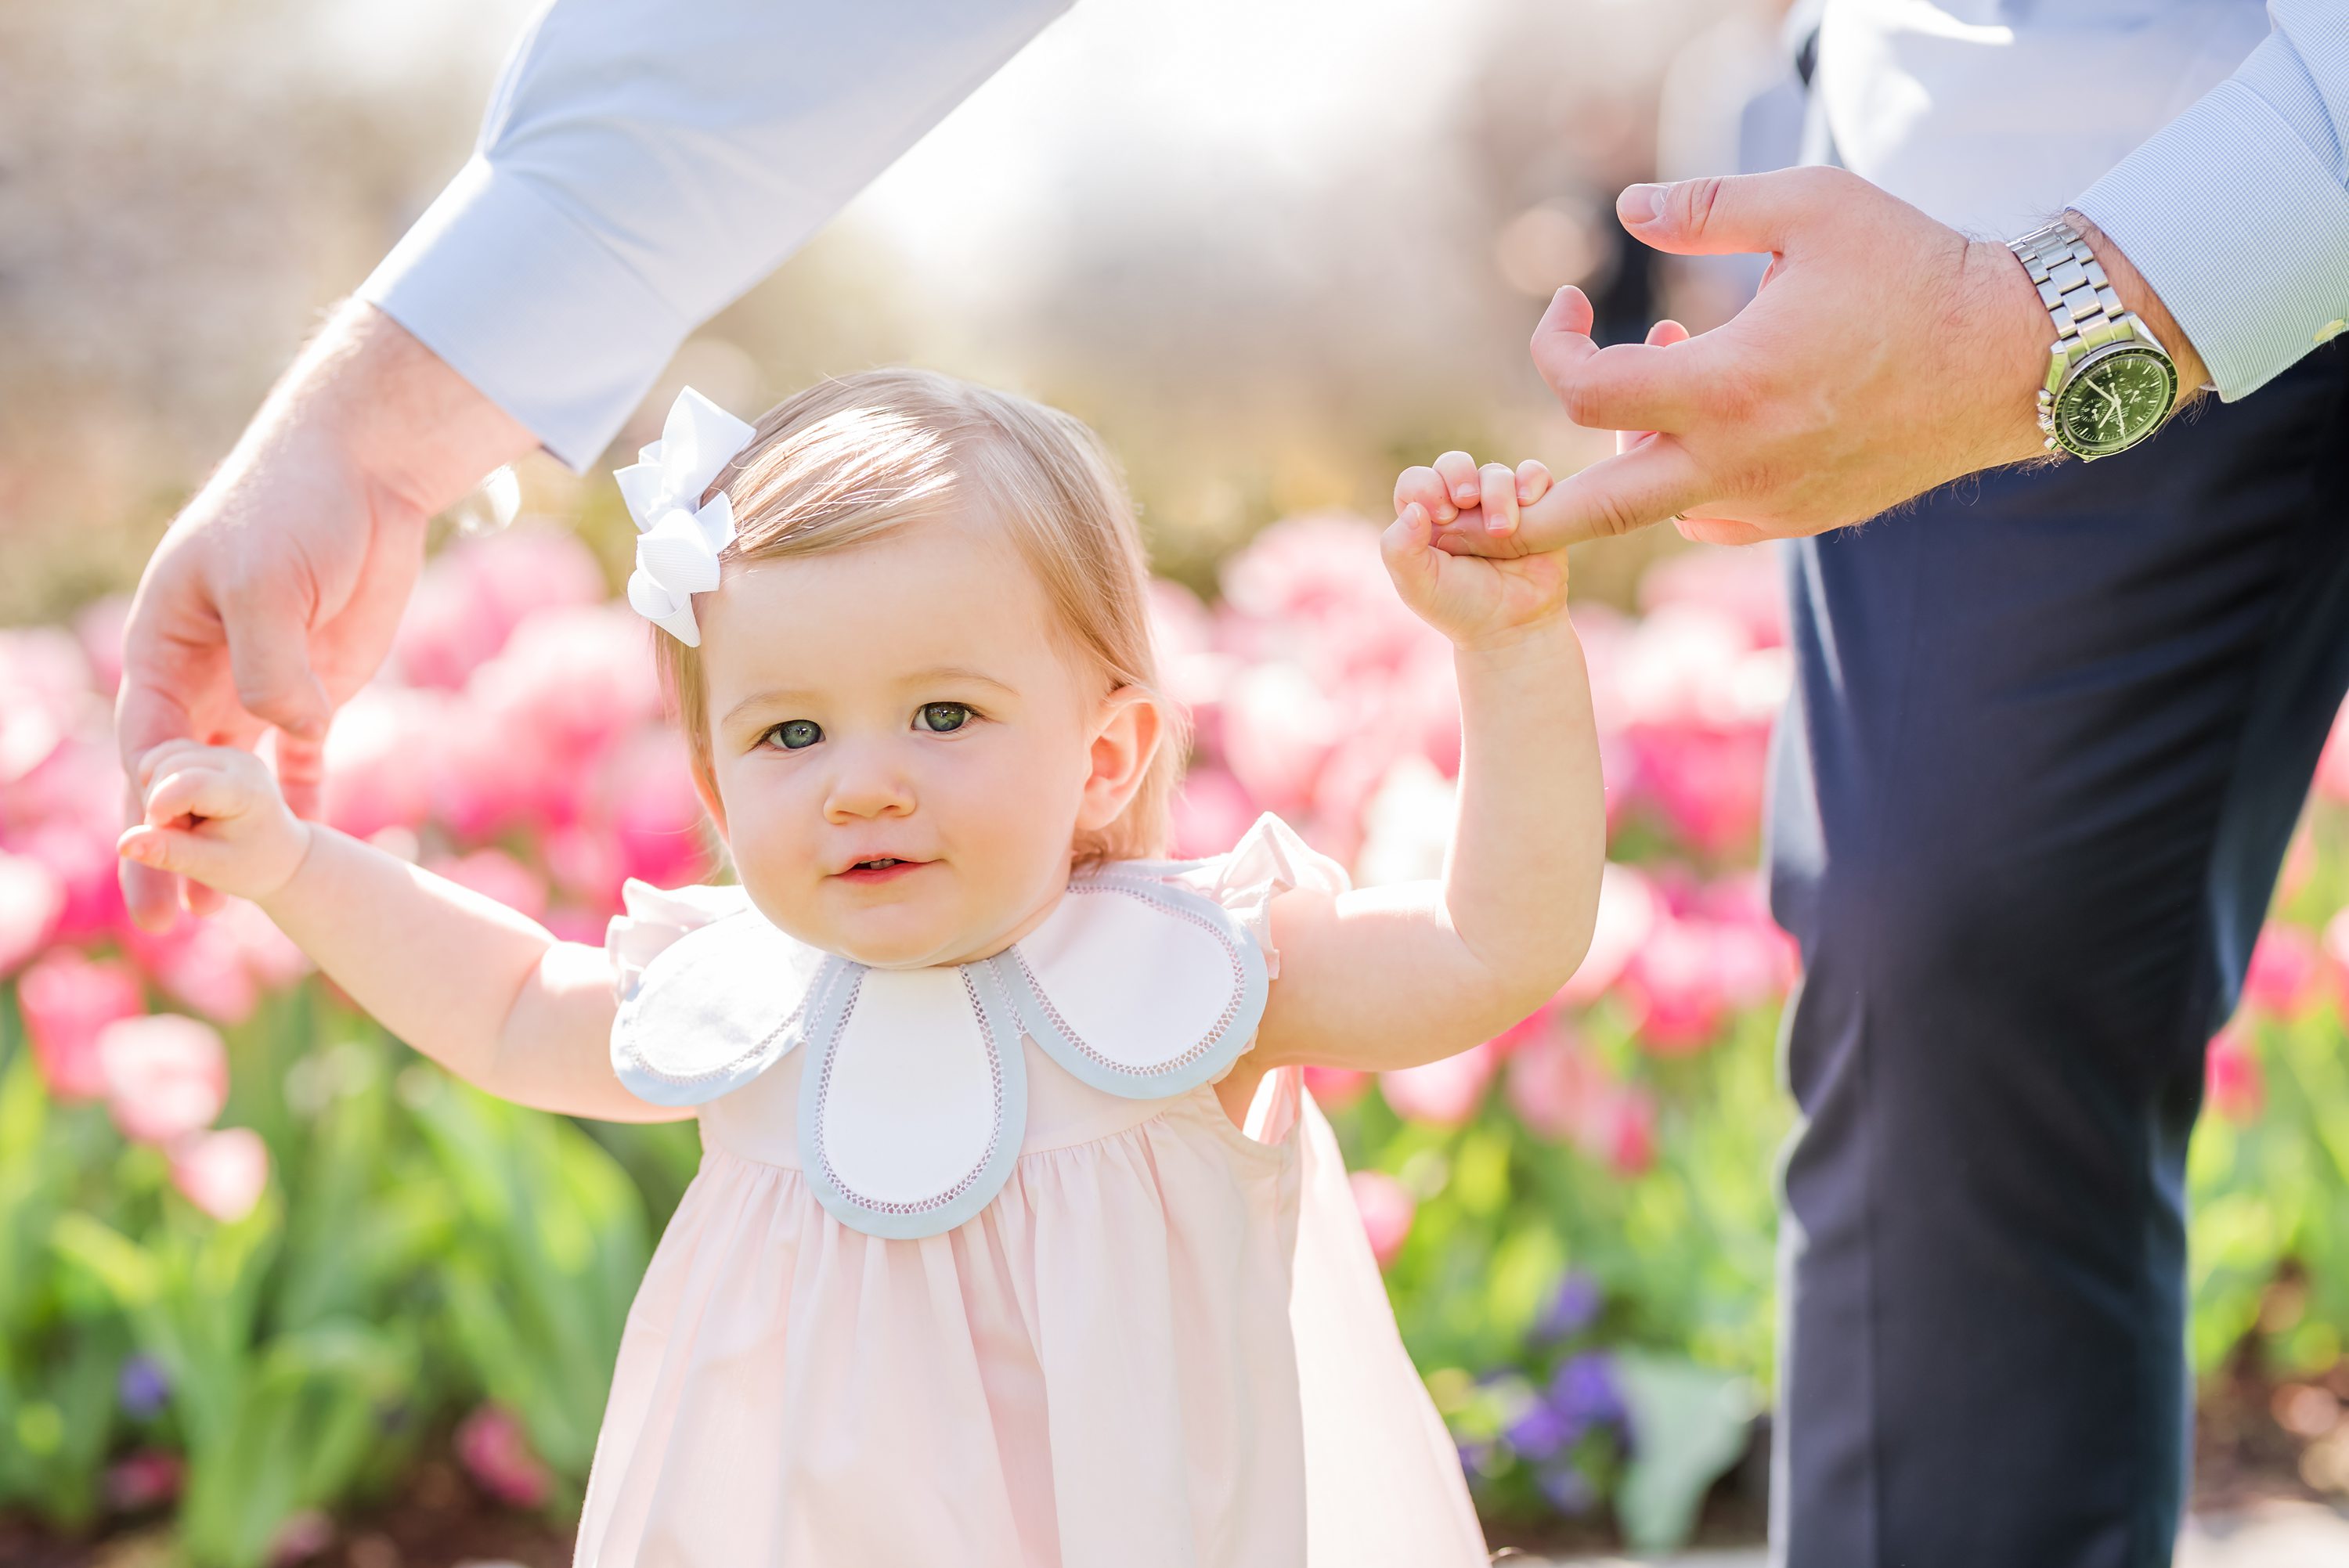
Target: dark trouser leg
{"x": 2051, "y": 732}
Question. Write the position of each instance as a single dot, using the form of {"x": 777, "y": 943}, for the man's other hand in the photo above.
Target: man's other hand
{"x": 1885, "y": 354}
{"x": 275, "y": 594}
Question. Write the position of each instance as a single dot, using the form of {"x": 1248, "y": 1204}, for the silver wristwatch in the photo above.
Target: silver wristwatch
{"x": 2109, "y": 381}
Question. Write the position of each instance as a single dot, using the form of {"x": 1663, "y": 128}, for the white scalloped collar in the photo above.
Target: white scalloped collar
{"x": 914, "y": 1097}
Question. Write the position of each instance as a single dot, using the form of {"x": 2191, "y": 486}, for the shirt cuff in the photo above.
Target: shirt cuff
{"x": 530, "y": 308}
{"x": 2239, "y": 228}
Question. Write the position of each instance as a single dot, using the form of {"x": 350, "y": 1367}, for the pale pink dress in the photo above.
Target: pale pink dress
{"x": 1163, "y": 1344}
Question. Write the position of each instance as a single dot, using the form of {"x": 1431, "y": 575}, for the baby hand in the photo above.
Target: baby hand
{"x": 1484, "y": 597}
{"x": 213, "y": 813}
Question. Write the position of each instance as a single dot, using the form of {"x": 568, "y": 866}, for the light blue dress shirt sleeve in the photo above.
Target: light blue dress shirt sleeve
{"x": 2237, "y": 212}
{"x": 644, "y": 162}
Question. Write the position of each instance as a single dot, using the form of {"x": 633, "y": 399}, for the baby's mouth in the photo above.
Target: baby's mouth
{"x": 880, "y": 868}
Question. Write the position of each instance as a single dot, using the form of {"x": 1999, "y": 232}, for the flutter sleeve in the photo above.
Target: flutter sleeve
{"x": 1270, "y": 859}
{"x": 653, "y": 918}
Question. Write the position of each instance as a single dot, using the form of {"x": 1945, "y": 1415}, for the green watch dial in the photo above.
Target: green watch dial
{"x": 2116, "y": 401}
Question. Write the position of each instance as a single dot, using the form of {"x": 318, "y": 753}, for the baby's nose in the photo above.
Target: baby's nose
{"x": 867, "y": 786}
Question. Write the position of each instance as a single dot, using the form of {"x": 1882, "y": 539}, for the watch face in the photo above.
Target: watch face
{"x": 2115, "y": 401}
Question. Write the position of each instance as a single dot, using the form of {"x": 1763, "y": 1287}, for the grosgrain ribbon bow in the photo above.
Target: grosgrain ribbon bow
{"x": 677, "y": 545}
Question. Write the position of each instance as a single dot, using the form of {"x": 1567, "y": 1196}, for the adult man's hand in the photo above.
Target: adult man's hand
{"x": 274, "y": 594}
{"x": 1886, "y": 354}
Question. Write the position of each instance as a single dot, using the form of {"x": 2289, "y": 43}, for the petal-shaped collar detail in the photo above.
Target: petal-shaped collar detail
{"x": 1141, "y": 987}
{"x": 715, "y": 1009}
{"x": 914, "y": 1097}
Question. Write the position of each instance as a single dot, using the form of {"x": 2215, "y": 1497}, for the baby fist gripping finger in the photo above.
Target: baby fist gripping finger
{"x": 215, "y": 813}
{"x": 1471, "y": 601}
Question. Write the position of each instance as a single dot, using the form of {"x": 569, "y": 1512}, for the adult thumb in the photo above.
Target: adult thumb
{"x": 1732, "y": 214}
{"x": 269, "y": 654}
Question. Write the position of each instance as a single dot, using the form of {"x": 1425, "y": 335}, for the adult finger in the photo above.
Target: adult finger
{"x": 1721, "y": 530}
{"x": 269, "y": 654}
{"x": 1628, "y": 386}
{"x": 301, "y": 774}
{"x": 1497, "y": 487}
{"x": 1615, "y": 495}
{"x": 1738, "y": 214}
{"x": 145, "y": 718}
{"x": 1662, "y": 334}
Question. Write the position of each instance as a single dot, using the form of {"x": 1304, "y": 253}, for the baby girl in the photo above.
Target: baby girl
{"x": 1016, "y": 1240}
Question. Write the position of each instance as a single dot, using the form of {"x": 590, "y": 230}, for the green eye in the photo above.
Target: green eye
{"x": 942, "y": 717}
{"x": 796, "y": 734}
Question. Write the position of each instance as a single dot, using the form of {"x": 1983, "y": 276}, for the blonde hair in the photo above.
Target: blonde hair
{"x": 854, "y": 458}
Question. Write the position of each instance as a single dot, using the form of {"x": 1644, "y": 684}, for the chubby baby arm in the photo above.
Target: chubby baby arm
{"x": 482, "y": 990}
{"x": 1393, "y": 976}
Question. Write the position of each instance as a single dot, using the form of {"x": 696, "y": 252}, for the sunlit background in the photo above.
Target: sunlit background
{"x": 318, "y": 1303}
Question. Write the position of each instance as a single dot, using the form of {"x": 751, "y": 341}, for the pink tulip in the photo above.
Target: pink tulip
{"x": 1675, "y": 986}
{"x": 1559, "y": 1090}
{"x": 381, "y": 757}
{"x": 493, "y": 874}
{"x": 200, "y": 963}
{"x": 655, "y": 815}
{"x": 223, "y": 1172}
{"x": 266, "y": 953}
{"x": 475, "y": 592}
{"x": 584, "y": 864}
{"x": 31, "y": 899}
{"x": 99, "y": 629}
{"x": 66, "y": 813}
{"x": 1746, "y": 586}
{"x": 1562, "y": 1094}
{"x": 1278, "y": 726}
{"x": 1527, "y": 1031}
{"x": 1210, "y": 813}
{"x": 1706, "y": 783}
{"x": 45, "y": 697}
{"x": 138, "y": 1481}
{"x": 1632, "y": 1142}
{"x": 1311, "y": 568}
{"x": 67, "y": 1000}
{"x": 1628, "y": 910}
{"x": 2283, "y": 977}
{"x": 488, "y": 776}
{"x": 1180, "y": 625}
{"x": 1335, "y": 1088}
{"x": 1443, "y": 1093}
{"x": 1387, "y": 1209}
{"x": 166, "y": 1076}
{"x": 299, "y": 1537}
{"x": 2232, "y": 1082}
{"x": 496, "y": 1453}
{"x": 571, "y": 680}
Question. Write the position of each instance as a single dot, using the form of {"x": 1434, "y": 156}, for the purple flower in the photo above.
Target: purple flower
{"x": 1584, "y": 1390}
{"x": 1569, "y": 1490}
{"x": 144, "y": 1388}
{"x": 1543, "y": 1432}
{"x": 1572, "y": 1310}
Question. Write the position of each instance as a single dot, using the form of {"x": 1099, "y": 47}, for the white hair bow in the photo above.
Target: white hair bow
{"x": 678, "y": 545}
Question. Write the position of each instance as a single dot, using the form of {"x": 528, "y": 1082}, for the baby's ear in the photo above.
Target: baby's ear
{"x": 1128, "y": 731}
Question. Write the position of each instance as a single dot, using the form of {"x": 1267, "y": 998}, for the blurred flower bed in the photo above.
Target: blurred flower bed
{"x": 258, "y": 1263}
